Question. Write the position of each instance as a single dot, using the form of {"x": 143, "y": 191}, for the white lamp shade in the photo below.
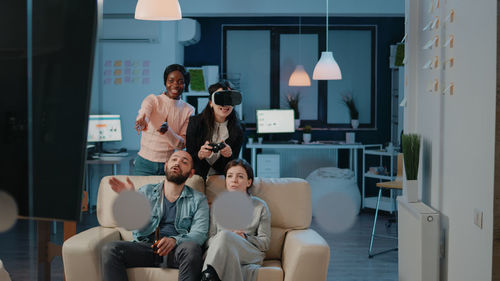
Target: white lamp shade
{"x": 158, "y": 10}
{"x": 299, "y": 77}
{"x": 327, "y": 68}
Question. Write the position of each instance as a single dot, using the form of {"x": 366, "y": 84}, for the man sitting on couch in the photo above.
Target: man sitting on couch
{"x": 179, "y": 242}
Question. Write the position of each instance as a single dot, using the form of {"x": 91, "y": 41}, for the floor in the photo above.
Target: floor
{"x": 348, "y": 261}
{"x": 349, "y": 251}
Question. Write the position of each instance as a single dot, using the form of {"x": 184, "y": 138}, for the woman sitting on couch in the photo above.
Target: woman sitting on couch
{"x": 236, "y": 255}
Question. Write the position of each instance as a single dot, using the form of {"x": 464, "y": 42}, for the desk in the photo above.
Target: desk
{"x": 113, "y": 161}
{"x": 353, "y": 151}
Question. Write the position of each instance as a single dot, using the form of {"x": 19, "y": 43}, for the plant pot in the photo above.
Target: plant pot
{"x": 250, "y": 140}
{"x": 410, "y": 189}
{"x": 350, "y": 137}
{"x": 306, "y": 137}
{"x": 297, "y": 123}
{"x": 355, "y": 123}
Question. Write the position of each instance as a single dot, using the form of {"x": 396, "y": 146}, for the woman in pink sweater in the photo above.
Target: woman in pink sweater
{"x": 163, "y": 120}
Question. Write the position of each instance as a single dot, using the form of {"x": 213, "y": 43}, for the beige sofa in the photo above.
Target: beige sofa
{"x": 4, "y": 275}
{"x": 296, "y": 252}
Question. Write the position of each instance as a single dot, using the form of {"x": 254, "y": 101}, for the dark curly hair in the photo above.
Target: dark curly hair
{"x": 181, "y": 69}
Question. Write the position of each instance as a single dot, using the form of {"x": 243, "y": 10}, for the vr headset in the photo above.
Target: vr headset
{"x": 226, "y": 97}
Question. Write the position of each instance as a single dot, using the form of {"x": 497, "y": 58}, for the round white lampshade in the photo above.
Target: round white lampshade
{"x": 158, "y": 10}
{"x": 299, "y": 77}
{"x": 327, "y": 68}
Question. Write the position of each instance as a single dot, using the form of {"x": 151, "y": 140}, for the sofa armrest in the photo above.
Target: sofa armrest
{"x": 305, "y": 256}
{"x": 81, "y": 253}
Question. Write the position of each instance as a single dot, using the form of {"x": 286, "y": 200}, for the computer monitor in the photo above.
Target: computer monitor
{"x": 103, "y": 128}
{"x": 275, "y": 121}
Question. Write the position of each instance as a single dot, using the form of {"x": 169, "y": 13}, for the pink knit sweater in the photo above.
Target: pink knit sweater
{"x": 156, "y": 147}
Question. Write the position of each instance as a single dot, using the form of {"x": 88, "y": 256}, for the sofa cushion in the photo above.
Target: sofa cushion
{"x": 4, "y": 275}
{"x": 197, "y": 183}
{"x": 288, "y": 199}
{"x": 270, "y": 271}
{"x": 214, "y": 185}
{"x": 125, "y": 235}
{"x": 106, "y": 195}
{"x": 152, "y": 273}
{"x": 276, "y": 245}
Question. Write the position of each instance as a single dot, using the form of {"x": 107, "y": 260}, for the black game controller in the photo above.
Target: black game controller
{"x": 163, "y": 127}
{"x": 216, "y": 147}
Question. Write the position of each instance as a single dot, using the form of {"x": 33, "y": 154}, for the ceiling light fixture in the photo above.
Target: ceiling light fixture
{"x": 158, "y": 10}
{"x": 327, "y": 68}
{"x": 299, "y": 77}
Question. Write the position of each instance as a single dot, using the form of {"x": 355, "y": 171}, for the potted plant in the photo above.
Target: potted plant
{"x": 260, "y": 138}
{"x": 293, "y": 103}
{"x": 306, "y": 136}
{"x": 251, "y": 137}
{"x": 411, "y": 153}
{"x": 353, "y": 111}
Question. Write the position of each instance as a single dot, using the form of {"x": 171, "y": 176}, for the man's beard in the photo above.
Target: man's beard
{"x": 177, "y": 178}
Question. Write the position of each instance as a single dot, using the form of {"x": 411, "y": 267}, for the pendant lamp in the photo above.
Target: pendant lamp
{"x": 158, "y": 10}
{"x": 299, "y": 76}
{"x": 327, "y": 68}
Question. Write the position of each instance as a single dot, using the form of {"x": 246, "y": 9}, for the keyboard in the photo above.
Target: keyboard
{"x": 278, "y": 142}
{"x": 119, "y": 154}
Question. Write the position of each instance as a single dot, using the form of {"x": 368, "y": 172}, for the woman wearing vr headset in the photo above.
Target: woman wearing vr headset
{"x": 214, "y": 137}
{"x": 163, "y": 121}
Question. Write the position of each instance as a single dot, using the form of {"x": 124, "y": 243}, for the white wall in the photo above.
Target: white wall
{"x": 125, "y": 99}
{"x": 457, "y": 168}
{"x": 109, "y": 98}
{"x": 273, "y": 8}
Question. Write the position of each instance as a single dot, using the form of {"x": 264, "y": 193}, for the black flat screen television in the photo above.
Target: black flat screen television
{"x": 46, "y": 57}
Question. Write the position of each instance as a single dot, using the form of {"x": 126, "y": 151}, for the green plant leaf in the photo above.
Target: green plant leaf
{"x": 411, "y": 153}
{"x": 197, "y": 80}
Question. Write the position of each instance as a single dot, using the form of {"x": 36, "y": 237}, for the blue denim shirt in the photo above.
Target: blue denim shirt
{"x": 191, "y": 220}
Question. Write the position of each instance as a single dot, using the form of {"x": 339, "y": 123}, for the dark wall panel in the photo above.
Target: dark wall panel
{"x": 390, "y": 30}
{"x": 46, "y": 122}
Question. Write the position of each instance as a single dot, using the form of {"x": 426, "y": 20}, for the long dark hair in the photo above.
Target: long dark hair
{"x": 244, "y": 164}
{"x": 208, "y": 115}
{"x": 181, "y": 69}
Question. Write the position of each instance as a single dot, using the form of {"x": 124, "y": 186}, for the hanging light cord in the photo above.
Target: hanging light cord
{"x": 327, "y": 25}
{"x": 300, "y": 41}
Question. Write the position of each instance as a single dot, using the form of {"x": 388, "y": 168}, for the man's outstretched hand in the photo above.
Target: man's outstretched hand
{"x": 119, "y": 186}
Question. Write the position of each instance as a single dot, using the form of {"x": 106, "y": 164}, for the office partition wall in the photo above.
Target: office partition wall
{"x": 46, "y": 69}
